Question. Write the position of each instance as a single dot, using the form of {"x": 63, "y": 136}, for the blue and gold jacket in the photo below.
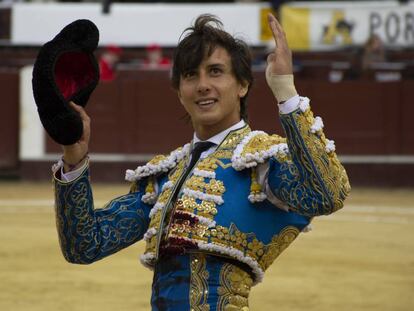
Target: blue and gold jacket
{"x": 221, "y": 209}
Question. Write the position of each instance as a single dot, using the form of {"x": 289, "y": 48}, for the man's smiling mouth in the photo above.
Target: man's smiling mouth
{"x": 206, "y": 102}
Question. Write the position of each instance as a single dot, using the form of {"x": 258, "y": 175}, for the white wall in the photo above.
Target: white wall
{"x": 130, "y": 24}
{"x": 31, "y": 134}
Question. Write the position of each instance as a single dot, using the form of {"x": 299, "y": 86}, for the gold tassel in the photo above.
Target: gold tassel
{"x": 255, "y": 187}
{"x": 134, "y": 187}
{"x": 150, "y": 186}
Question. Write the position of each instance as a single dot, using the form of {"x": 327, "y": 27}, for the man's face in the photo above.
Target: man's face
{"x": 211, "y": 94}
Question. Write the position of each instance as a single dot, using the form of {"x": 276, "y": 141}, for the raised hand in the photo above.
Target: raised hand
{"x": 279, "y": 62}
{"x": 74, "y": 155}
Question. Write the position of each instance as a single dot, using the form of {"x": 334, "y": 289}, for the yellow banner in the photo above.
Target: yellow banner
{"x": 296, "y": 22}
{"x": 265, "y": 33}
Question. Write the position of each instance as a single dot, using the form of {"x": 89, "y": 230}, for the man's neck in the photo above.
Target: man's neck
{"x": 218, "y": 137}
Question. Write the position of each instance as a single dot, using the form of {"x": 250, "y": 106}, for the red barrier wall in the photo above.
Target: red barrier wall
{"x": 139, "y": 113}
{"x": 9, "y": 119}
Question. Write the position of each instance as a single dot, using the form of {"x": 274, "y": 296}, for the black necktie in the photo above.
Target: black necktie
{"x": 199, "y": 148}
{"x": 195, "y": 155}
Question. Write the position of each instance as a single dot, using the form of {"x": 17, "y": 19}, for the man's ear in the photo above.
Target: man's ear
{"x": 179, "y": 96}
{"x": 244, "y": 88}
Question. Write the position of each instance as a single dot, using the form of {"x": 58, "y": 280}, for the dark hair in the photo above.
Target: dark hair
{"x": 200, "y": 41}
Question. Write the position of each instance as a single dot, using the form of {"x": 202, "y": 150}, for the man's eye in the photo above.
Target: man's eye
{"x": 189, "y": 74}
{"x": 216, "y": 71}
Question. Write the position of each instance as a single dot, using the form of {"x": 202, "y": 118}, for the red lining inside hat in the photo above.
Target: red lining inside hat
{"x": 73, "y": 72}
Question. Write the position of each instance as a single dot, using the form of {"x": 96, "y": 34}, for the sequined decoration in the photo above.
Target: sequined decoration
{"x": 234, "y": 289}
{"x": 234, "y": 138}
{"x": 162, "y": 200}
{"x": 198, "y": 283}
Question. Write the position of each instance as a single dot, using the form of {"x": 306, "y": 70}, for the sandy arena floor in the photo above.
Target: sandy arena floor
{"x": 361, "y": 258}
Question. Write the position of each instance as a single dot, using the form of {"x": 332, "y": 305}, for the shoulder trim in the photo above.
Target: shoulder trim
{"x": 158, "y": 164}
{"x": 257, "y": 147}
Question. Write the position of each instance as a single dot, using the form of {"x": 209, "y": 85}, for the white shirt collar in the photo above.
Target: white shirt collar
{"x": 218, "y": 138}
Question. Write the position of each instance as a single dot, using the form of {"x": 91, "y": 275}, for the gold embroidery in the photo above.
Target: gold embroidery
{"x": 189, "y": 204}
{"x": 223, "y": 154}
{"x": 205, "y": 208}
{"x": 151, "y": 244}
{"x": 233, "y": 238}
{"x": 234, "y": 289}
{"x": 234, "y": 138}
{"x": 80, "y": 226}
{"x": 207, "y": 164}
{"x": 198, "y": 283}
{"x": 176, "y": 173}
{"x": 215, "y": 187}
{"x": 155, "y": 220}
{"x": 157, "y": 159}
{"x": 165, "y": 195}
{"x": 183, "y": 228}
{"x": 332, "y": 173}
{"x": 162, "y": 199}
{"x": 261, "y": 142}
{"x": 278, "y": 245}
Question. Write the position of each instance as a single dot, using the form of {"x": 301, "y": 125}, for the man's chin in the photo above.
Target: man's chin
{"x": 207, "y": 121}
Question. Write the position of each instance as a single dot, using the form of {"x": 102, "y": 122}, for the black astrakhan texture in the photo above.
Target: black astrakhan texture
{"x": 77, "y": 41}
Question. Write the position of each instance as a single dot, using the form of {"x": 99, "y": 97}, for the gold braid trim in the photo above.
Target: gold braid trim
{"x": 198, "y": 283}
{"x": 234, "y": 289}
{"x": 328, "y": 165}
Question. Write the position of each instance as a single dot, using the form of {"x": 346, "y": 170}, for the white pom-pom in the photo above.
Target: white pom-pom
{"x": 149, "y": 234}
{"x": 130, "y": 175}
{"x": 157, "y": 207}
{"x": 330, "y": 146}
{"x": 257, "y": 197}
{"x": 203, "y": 173}
{"x": 203, "y": 196}
{"x": 304, "y": 104}
{"x": 149, "y": 198}
{"x": 317, "y": 125}
{"x": 148, "y": 260}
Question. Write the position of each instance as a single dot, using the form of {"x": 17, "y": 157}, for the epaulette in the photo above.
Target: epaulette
{"x": 257, "y": 147}
{"x": 158, "y": 164}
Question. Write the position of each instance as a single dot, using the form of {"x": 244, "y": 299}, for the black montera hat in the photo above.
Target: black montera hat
{"x": 66, "y": 70}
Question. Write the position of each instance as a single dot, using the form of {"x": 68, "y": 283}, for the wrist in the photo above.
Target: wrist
{"x": 71, "y": 165}
{"x": 282, "y": 86}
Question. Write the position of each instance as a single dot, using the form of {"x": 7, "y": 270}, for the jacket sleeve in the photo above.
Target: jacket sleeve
{"x": 310, "y": 179}
{"x": 87, "y": 234}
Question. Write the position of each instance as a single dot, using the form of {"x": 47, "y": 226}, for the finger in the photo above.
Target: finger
{"x": 281, "y": 35}
{"x": 273, "y": 27}
{"x": 281, "y": 32}
{"x": 75, "y": 106}
{"x": 80, "y": 110}
{"x": 277, "y": 24}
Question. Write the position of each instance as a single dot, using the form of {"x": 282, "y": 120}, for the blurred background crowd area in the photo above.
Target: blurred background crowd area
{"x": 353, "y": 59}
{"x": 380, "y": 56}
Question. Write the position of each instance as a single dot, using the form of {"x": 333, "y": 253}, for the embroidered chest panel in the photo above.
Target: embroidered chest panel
{"x": 216, "y": 211}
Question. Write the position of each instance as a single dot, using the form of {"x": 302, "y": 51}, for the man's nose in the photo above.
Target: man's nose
{"x": 203, "y": 84}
